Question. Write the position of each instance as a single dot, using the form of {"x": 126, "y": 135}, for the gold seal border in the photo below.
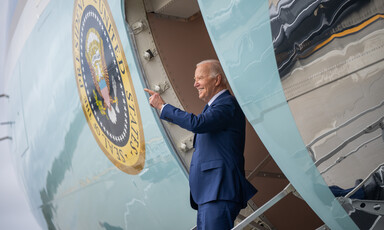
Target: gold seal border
{"x": 136, "y": 136}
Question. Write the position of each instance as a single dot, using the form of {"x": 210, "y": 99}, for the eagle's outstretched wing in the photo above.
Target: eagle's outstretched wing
{"x": 105, "y": 71}
{"x": 93, "y": 73}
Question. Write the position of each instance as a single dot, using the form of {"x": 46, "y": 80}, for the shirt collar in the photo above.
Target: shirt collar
{"x": 216, "y": 96}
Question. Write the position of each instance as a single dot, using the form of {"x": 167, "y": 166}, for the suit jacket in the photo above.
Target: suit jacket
{"x": 217, "y": 166}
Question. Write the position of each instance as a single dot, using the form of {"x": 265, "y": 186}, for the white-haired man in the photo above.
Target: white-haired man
{"x": 219, "y": 189}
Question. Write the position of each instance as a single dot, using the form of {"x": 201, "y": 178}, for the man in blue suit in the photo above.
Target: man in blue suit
{"x": 219, "y": 189}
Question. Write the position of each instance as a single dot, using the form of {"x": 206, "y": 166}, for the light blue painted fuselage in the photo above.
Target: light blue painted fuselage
{"x": 70, "y": 182}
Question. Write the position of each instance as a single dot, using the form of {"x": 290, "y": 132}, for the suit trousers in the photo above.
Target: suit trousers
{"x": 217, "y": 215}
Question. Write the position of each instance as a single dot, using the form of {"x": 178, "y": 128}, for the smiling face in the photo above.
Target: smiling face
{"x": 206, "y": 85}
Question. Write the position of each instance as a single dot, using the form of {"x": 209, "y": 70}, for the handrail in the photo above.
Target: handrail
{"x": 362, "y": 183}
{"x": 5, "y": 138}
{"x": 258, "y": 167}
{"x": 7, "y": 123}
{"x": 287, "y": 190}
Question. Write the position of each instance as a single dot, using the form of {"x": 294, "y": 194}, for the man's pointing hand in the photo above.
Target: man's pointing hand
{"x": 155, "y": 99}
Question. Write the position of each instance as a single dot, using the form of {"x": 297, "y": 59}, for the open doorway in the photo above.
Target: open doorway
{"x": 179, "y": 42}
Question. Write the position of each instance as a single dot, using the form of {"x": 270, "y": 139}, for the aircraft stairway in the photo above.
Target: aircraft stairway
{"x": 367, "y": 213}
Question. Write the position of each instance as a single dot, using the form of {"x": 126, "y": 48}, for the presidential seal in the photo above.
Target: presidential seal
{"x": 105, "y": 86}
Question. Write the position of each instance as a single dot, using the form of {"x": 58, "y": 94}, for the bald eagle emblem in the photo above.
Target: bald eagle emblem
{"x": 98, "y": 68}
{"x": 105, "y": 87}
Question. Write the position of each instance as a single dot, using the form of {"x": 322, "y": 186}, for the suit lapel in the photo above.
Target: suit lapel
{"x": 205, "y": 108}
{"x": 226, "y": 93}
{"x": 194, "y": 137}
